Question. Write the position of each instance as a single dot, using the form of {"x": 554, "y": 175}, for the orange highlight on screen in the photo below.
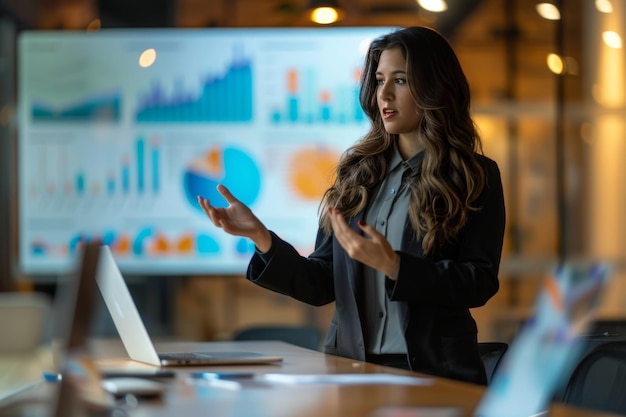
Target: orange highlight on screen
{"x": 186, "y": 244}
{"x": 214, "y": 161}
{"x": 160, "y": 244}
{"x": 325, "y": 97}
{"x": 313, "y": 172}
{"x": 292, "y": 81}
{"x": 122, "y": 245}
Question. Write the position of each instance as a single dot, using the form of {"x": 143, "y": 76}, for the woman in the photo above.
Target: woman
{"x": 411, "y": 231}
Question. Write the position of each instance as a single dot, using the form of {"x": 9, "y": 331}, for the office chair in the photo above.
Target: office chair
{"x": 491, "y": 354}
{"x": 599, "y": 379}
{"x": 304, "y": 336}
{"x": 587, "y": 343}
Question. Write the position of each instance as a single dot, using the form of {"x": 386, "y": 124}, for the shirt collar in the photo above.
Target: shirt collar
{"x": 414, "y": 162}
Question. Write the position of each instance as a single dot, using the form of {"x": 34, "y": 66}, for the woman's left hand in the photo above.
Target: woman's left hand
{"x": 372, "y": 249}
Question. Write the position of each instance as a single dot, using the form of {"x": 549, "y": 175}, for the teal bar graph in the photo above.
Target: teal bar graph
{"x": 125, "y": 176}
{"x": 155, "y": 167}
{"x": 140, "y": 164}
{"x": 80, "y": 183}
{"x": 111, "y": 185}
{"x": 221, "y": 98}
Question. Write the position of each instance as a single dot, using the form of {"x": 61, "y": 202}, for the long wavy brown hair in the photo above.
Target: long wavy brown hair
{"x": 451, "y": 178}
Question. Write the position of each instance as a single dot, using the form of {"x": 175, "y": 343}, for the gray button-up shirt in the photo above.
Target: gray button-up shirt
{"x": 387, "y": 212}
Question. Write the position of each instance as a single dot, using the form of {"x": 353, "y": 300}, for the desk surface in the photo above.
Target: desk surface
{"x": 188, "y": 397}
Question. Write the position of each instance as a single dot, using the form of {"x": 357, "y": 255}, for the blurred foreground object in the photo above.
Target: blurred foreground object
{"x": 548, "y": 345}
{"x": 24, "y": 319}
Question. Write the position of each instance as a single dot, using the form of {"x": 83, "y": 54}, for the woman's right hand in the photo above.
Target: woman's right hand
{"x": 237, "y": 219}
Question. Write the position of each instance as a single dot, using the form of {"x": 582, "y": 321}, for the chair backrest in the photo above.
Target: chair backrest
{"x": 491, "y": 354}
{"x": 25, "y": 321}
{"x": 587, "y": 343}
{"x": 304, "y": 336}
{"x": 599, "y": 380}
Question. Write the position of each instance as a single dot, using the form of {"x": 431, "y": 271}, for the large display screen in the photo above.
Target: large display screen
{"x": 120, "y": 130}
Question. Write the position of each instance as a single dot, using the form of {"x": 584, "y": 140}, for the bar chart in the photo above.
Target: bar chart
{"x": 223, "y": 97}
{"x": 66, "y": 170}
{"x": 307, "y": 102}
{"x": 102, "y": 107}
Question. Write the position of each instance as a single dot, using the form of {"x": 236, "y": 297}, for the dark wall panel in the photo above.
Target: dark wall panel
{"x": 136, "y": 13}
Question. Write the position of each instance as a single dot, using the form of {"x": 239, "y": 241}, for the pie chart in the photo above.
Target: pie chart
{"x": 312, "y": 172}
{"x": 229, "y": 166}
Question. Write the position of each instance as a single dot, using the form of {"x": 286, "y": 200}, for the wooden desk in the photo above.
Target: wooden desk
{"x": 186, "y": 397}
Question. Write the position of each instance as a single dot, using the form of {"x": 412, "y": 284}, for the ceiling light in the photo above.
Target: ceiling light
{"x": 555, "y": 64}
{"x": 325, "y": 12}
{"x": 436, "y": 6}
{"x": 548, "y": 11}
{"x": 612, "y": 39}
{"x": 604, "y": 6}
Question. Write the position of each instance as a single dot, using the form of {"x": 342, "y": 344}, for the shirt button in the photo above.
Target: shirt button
{"x": 382, "y": 222}
{"x": 392, "y": 191}
{"x": 380, "y": 314}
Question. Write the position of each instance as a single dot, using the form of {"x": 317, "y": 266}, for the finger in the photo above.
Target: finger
{"x": 210, "y": 211}
{"x": 337, "y": 219}
{"x": 369, "y": 230}
{"x": 339, "y": 225}
{"x": 204, "y": 204}
{"x": 345, "y": 235}
{"x": 225, "y": 192}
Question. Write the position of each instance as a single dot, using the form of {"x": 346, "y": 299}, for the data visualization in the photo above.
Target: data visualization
{"x": 117, "y": 148}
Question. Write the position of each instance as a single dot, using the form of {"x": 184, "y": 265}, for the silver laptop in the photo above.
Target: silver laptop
{"x": 133, "y": 332}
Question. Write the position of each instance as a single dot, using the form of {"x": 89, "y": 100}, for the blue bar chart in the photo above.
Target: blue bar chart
{"x": 134, "y": 170}
{"x": 221, "y": 98}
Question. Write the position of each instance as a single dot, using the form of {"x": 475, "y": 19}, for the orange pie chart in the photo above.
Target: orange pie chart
{"x": 313, "y": 171}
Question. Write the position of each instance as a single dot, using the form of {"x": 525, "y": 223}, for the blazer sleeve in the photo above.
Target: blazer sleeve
{"x": 469, "y": 277}
{"x": 284, "y": 270}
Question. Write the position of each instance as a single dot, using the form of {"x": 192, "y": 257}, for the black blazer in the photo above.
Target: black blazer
{"x": 434, "y": 293}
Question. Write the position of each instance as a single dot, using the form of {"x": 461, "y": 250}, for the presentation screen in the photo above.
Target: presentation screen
{"x": 119, "y": 131}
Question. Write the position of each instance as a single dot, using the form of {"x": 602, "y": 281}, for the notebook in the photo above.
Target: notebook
{"x": 134, "y": 335}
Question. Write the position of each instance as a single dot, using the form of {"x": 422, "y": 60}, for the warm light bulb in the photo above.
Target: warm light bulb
{"x": 548, "y": 11}
{"x": 436, "y": 6}
{"x": 147, "y": 58}
{"x": 612, "y": 39}
{"x": 604, "y": 6}
{"x": 324, "y": 15}
{"x": 555, "y": 63}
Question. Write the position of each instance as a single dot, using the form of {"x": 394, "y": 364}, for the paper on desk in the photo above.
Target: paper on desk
{"x": 18, "y": 372}
{"x": 344, "y": 379}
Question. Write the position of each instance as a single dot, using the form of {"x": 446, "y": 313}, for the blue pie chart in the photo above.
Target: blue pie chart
{"x": 229, "y": 166}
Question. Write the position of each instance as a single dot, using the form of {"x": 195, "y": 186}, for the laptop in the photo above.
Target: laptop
{"x": 134, "y": 335}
